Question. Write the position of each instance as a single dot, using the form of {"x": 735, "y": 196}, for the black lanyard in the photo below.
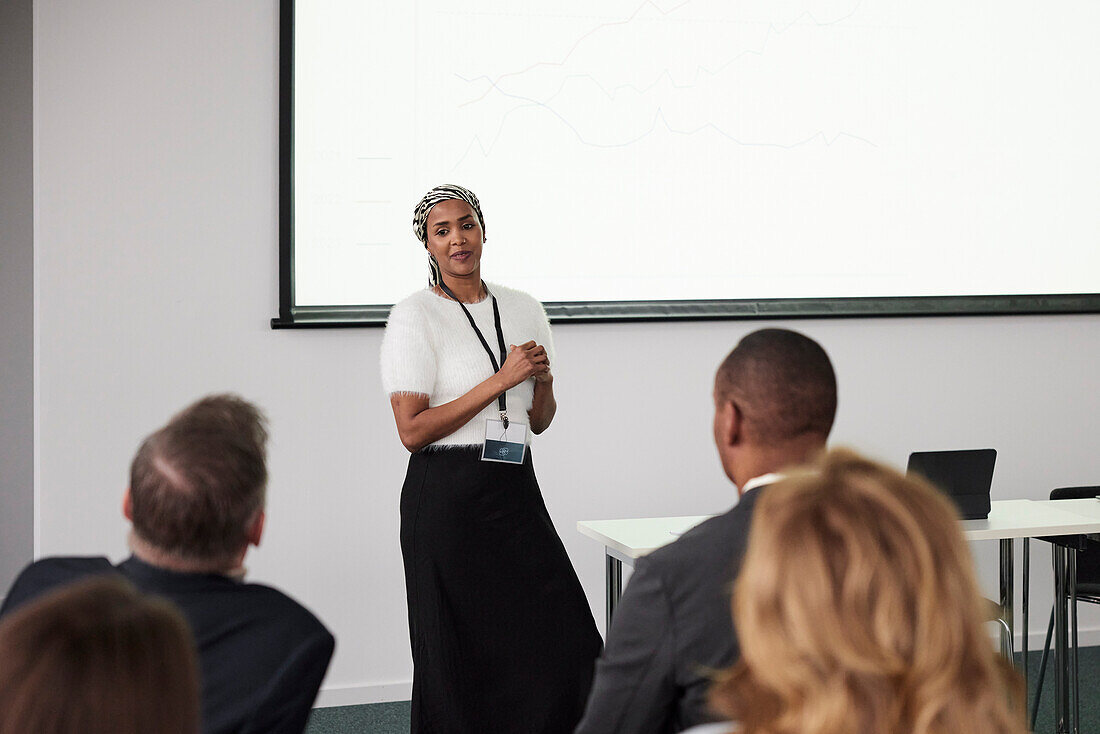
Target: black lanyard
{"x": 501, "y": 402}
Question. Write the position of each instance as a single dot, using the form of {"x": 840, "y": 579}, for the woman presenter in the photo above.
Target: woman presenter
{"x": 502, "y": 636}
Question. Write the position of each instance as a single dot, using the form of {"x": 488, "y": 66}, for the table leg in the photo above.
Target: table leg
{"x": 614, "y": 574}
{"x": 1061, "y": 692}
{"x": 1071, "y": 574}
{"x": 1007, "y": 573}
{"x": 1026, "y": 603}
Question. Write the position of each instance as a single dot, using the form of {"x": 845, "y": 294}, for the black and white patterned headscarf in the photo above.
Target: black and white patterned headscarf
{"x": 446, "y": 192}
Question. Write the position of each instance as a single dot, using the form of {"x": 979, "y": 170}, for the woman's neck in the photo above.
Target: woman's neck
{"x": 467, "y": 290}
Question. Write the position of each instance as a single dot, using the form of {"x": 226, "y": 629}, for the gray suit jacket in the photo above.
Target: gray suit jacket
{"x": 671, "y": 632}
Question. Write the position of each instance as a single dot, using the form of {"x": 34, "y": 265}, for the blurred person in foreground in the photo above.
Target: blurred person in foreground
{"x": 196, "y": 503}
{"x": 858, "y": 611}
{"x": 97, "y": 657}
{"x": 775, "y": 398}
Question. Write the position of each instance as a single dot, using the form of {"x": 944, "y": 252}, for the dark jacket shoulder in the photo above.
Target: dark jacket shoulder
{"x": 697, "y": 573}
{"x": 48, "y": 574}
{"x": 713, "y": 547}
{"x": 262, "y": 654}
{"x": 671, "y": 631}
{"x": 221, "y": 609}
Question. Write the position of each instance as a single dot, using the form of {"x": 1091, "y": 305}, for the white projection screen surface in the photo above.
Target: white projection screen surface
{"x": 668, "y": 151}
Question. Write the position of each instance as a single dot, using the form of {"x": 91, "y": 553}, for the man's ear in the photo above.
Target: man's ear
{"x": 128, "y": 506}
{"x": 733, "y": 423}
{"x": 256, "y": 529}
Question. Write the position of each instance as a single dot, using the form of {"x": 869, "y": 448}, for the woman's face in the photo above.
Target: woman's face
{"x": 454, "y": 238}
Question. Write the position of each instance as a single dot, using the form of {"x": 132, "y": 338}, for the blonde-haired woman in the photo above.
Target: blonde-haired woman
{"x": 858, "y": 612}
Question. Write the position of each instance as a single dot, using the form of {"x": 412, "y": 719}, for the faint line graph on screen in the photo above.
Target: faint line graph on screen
{"x": 819, "y": 136}
{"x": 772, "y": 29}
{"x": 648, "y": 3}
{"x": 509, "y": 86}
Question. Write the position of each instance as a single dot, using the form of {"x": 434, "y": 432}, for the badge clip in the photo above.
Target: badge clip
{"x": 504, "y": 444}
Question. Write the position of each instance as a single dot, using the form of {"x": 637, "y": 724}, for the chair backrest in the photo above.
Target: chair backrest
{"x": 1074, "y": 493}
{"x": 1088, "y": 560}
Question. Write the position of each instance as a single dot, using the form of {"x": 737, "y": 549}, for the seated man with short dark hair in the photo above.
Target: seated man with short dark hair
{"x": 774, "y": 403}
{"x": 196, "y": 503}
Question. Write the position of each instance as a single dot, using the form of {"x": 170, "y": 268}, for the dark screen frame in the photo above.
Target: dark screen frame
{"x": 293, "y": 316}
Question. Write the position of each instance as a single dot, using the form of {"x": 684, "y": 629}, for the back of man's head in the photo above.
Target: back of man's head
{"x": 198, "y": 483}
{"x": 782, "y": 383}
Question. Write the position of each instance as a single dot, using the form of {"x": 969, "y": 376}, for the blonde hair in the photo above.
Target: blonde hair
{"x": 857, "y": 612}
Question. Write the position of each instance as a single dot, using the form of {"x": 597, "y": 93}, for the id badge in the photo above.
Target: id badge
{"x": 506, "y": 445}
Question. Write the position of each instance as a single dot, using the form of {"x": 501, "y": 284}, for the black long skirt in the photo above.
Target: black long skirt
{"x": 503, "y": 639}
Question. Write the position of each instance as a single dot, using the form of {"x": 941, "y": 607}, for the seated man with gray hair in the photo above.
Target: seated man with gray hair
{"x": 196, "y": 504}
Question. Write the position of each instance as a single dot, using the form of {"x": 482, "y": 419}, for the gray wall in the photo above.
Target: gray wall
{"x": 157, "y": 267}
{"x": 16, "y": 291}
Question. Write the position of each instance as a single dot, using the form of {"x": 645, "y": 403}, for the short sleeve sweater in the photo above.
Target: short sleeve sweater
{"x": 430, "y": 349}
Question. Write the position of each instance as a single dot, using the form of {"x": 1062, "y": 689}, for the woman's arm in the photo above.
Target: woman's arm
{"x": 418, "y": 425}
{"x": 544, "y": 406}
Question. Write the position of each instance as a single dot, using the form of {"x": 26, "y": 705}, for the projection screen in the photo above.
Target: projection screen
{"x": 693, "y": 159}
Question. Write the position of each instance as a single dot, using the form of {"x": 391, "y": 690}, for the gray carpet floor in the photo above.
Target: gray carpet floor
{"x": 375, "y": 718}
{"x": 1089, "y": 683}
{"x": 393, "y": 718}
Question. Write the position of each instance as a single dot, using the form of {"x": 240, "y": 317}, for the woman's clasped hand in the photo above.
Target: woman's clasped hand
{"x": 525, "y": 361}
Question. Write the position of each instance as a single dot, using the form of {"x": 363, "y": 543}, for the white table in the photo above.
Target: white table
{"x": 625, "y": 541}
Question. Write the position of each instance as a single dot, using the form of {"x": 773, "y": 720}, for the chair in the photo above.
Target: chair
{"x": 1086, "y": 582}
{"x": 994, "y": 614}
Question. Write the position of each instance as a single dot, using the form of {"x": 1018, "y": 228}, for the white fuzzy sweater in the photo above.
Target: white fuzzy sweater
{"x": 430, "y": 349}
